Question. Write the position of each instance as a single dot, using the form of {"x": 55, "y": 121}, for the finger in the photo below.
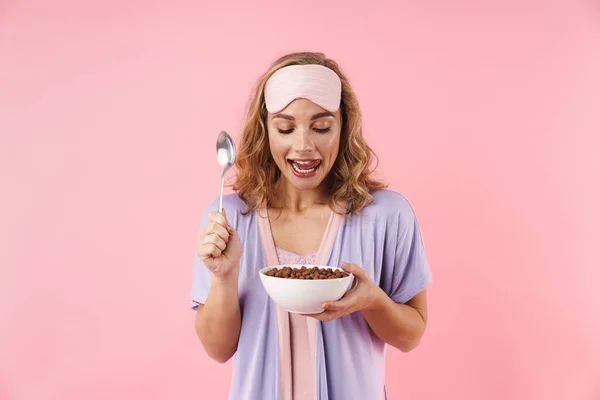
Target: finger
{"x": 218, "y": 218}
{"x": 219, "y": 230}
{"x": 228, "y": 226}
{"x": 226, "y": 219}
{"x": 327, "y": 316}
{"x": 208, "y": 250}
{"x": 215, "y": 226}
{"x": 215, "y": 251}
{"x": 222, "y": 219}
{"x": 323, "y": 317}
{"x": 215, "y": 239}
{"x": 340, "y": 305}
{"x": 205, "y": 251}
{"x": 340, "y": 314}
{"x": 354, "y": 270}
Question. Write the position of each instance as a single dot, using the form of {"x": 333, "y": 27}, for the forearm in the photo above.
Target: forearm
{"x": 218, "y": 321}
{"x": 399, "y": 325}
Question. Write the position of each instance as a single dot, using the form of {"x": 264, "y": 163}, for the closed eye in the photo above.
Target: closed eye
{"x": 288, "y": 131}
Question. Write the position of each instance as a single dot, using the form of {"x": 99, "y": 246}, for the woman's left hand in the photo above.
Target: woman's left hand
{"x": 363, "y": 294}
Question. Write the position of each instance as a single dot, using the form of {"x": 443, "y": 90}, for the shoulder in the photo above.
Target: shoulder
{"x": 389, "y": 203}
{"x": 383, "y": 198}
{"x": 389, "y": 208}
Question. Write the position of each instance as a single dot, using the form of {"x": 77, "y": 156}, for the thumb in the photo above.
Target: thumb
{"x": 225, "y": 215}
{"x": 354, "y": 270}
{"x": 229, "y": 227}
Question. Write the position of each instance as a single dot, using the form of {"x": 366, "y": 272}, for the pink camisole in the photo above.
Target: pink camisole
{"x": 297, "y": 334}
{"x": 303, "y": 376}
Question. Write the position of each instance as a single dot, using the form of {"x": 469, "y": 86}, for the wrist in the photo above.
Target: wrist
{"x": 228, "y": 278}
{"x": 377, "y": 300}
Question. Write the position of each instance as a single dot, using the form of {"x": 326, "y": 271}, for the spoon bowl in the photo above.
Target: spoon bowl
{"x": 226, "y": 158}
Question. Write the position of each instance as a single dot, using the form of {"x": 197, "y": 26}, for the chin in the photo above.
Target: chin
{"x": 303, "y": 183}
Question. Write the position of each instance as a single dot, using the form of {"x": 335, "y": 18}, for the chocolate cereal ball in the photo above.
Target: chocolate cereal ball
{"x": 305, "y": 273}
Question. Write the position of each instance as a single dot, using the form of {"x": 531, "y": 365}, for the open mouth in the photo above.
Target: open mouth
{"x": 304, "y": 167}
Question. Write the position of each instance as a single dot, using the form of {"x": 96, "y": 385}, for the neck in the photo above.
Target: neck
{"x": 298, "y": 201}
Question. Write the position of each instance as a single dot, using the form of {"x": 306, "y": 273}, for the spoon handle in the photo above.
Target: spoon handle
{"x": 221, "y": 194}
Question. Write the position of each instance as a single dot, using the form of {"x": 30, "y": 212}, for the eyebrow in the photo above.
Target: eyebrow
{"x": 316, "y": 116}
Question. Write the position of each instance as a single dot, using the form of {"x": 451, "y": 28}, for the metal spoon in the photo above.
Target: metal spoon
{"x": 225, "y": 158}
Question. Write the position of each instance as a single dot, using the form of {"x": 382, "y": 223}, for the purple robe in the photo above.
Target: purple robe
{"x": 385, "y": 240}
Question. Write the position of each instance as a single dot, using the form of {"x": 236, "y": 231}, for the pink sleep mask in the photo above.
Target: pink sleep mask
{"x": 316, "y": 83}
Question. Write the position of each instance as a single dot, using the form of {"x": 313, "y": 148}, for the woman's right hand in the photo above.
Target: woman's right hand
{"x": 220, "y": 248}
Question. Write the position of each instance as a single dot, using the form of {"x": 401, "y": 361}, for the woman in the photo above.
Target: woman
{"x": 304, "y": 194}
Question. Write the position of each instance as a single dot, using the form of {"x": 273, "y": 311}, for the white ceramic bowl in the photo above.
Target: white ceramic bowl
{"x": 302, "y": 296}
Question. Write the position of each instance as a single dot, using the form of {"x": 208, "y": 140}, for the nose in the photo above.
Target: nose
{"x": 303, "y": 141}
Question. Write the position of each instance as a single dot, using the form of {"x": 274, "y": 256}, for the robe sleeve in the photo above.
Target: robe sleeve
{"x": 408, "y": 271}
{"x": 201, "y": 277}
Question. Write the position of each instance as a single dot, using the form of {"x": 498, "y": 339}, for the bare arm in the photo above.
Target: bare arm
{"x": 218, "y": 322}
{"x": 400, "y": 325}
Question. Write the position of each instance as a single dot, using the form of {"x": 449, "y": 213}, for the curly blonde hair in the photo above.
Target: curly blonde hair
{"x": 350, "y": 180}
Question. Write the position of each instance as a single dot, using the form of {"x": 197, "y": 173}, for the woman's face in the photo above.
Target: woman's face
{"x": 304, "y": 140}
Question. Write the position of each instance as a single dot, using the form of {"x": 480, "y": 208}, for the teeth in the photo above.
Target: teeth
{"x": 302, "y": 171}
{"x": 303, "y": 162}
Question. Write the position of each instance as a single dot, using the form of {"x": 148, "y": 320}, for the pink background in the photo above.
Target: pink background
{"x": 484, "y": 114}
